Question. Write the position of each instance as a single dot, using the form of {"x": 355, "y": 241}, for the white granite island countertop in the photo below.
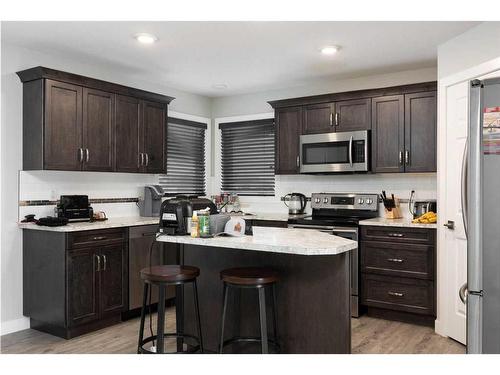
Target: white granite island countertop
{"x": 115, "y": 222}
{"x": 275, "y": 240}
{"x": 402, "y": 223}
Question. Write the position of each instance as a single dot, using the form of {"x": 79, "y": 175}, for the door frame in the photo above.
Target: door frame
{"x": 482, "y": 71}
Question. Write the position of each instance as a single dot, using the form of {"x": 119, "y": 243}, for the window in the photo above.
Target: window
{"x": 247, "y": 157}
{"x": 185, "y": 158}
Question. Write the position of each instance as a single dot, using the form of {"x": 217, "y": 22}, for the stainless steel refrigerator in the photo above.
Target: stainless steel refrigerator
{"x": 481, "y": 208}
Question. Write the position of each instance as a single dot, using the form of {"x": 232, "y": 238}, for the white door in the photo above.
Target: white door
{"x": 455, "y": 251}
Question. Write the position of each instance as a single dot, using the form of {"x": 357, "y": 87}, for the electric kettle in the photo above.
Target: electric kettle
{"x": 296, "y": 203}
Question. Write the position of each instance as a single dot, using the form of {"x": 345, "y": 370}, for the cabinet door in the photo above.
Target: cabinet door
{"x": 388, "y": 133}
{"x": 318, "y": 118}
{"x": 63, "y": 126}
{"x": 127, "y": 134}
{"x": 352, "y": 115}
{"x": 138, "y": 254}
{"x": 98, "y": 115}
{"x": 113, "y": 279}
{"x": 420, "y": 132}
{"x": 154, "y": 135}
{"x": 288, "y": 131}
{"x": 82, "y": 289}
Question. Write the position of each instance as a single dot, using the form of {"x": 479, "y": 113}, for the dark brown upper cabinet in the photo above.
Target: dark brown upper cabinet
{"x": 289, "y": 128}
{"x": 128, "y": 145}
{"x": 98, "y": 119}
{"x": 74, "y": 123}
{"x": 402, "y": 120}
{"x": 154, "y": 125}
{"x": 319, "y": 118}
{"x": 353, "y": 115}
{"x": 404, "y": 133}
{"x": 420, "y": 132}
{"x": 388, "y": 134}
{"x": 62, "y": 146}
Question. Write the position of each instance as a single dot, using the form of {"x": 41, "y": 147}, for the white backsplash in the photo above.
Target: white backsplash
{"x": 49, "y": 185}
{"x": 398, "y": 184}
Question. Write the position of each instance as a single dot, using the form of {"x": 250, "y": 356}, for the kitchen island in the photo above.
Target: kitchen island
{"x": 313, "y": 294}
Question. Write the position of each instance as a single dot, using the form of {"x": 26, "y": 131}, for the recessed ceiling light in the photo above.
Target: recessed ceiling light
{"x": 145, "y": 38}
{"x": 220, "y": 86}
{"x": 329, "y": 50}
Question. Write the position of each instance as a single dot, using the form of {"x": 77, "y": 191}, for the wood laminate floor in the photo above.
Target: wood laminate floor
{"x": 369, "y": 336}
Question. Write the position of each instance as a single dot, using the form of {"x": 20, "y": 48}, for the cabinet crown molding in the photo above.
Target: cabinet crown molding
{"x": 41, "y": 72}
{"x": 358, "y": 94}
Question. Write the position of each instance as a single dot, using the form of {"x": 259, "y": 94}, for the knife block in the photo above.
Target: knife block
{"x": 395, "y": 212}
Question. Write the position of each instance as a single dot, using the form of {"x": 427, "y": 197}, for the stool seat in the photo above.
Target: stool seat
{"x": 249, "y": 276}
{"x": 169, "y": 273}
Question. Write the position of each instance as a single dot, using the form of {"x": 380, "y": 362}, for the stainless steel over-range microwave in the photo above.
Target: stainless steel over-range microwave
{"x": 335, "y": 152}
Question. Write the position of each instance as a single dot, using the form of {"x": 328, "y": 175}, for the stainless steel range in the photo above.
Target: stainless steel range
{"x": 339, "y": 214}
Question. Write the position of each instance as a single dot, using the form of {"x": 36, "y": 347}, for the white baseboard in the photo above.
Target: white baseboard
{"x": 14, "y": 325}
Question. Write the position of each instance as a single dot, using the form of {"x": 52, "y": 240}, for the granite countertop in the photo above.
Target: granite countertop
{"x": 402, "y": 223}
{"x": 275, "y": 240}
{"x": 115, "y": 222}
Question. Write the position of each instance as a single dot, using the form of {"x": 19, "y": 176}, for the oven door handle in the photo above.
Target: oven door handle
{"x": 350, "y": 150}
{"x": 318, "y": 227}
{"x": 344, "y": 230}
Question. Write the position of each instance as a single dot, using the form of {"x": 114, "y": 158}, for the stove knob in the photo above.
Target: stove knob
{"x": 369, "y": 201}
{"x": 325, "y": 200}
{"x": 361, "y": 201}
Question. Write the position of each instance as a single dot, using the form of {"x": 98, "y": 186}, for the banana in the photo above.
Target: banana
{"x": 427, "y": 218}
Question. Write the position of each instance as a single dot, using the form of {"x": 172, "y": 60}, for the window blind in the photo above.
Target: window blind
{"x": 185, "y": 158}
{"x": 248, "y": 157}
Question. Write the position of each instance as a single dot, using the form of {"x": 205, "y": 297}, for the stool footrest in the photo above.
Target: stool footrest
{"x": 194, "y": 349}
{"x": 252, "y": 339}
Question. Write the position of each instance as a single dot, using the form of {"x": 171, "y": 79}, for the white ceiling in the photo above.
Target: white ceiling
{"x": 246, "y": 56}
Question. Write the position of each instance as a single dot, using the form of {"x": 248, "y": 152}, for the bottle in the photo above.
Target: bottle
{"x": 204, "y": 223}
{"x": 195, "y": 227}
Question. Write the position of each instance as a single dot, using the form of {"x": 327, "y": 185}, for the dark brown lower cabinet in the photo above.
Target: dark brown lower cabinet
{"x": 139, "y": 246}
{"x": 83, "y": 303}
{"x": 398, "y": 273}
{"x": 74, "y": 282}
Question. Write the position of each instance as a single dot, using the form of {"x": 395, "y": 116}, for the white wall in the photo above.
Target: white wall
{"x": 257, "y": 102}
{"x": 475, "y": 46}
{"x": 45, "y": 184}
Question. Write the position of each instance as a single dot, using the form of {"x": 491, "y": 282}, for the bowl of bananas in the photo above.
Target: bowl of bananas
{"x": 427, "y": 218}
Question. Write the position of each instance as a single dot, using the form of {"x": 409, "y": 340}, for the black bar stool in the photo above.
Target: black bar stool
{"x": 251, "y": 278}
{"x": 163, "y": 276}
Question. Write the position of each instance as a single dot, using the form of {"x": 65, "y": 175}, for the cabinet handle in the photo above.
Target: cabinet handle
{"x": 395, "y": 235}
{"x": 400, "y": 157}
{"x": 141, "y": 159}
{"x": 395, "y": 294}
{"x": 298, "y": 161}
{"x": 98, "y": 238}
{"x": 87, "y": 155}
{"x": 331, "y": 119}
{"x": 407, "y": 157}
{"x": 147, "y": 159}
{"x": 395, "y": 260}
{"x": 98, "y": 263}
{"x": 337, "y": 119}
{"x": 105, "y": 262}
{"x": 80, "y": 155}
